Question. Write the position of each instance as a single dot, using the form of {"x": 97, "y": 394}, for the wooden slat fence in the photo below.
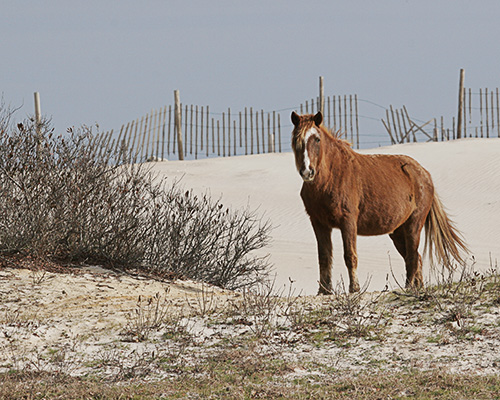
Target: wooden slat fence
{"x": 206, "y": 134}
{"x": 480, "y": 119}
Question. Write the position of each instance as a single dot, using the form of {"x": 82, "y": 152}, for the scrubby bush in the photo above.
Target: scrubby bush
{"x": 62, "y": 199}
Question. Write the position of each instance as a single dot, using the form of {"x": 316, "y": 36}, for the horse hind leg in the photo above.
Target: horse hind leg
{"x": 413, "y": 260}
{"x": 406, "y": 244}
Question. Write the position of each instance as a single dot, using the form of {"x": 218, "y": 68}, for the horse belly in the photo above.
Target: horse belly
{"x": 384, "y": 217}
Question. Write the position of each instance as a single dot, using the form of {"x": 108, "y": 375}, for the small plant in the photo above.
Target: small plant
{"x": 150, "y": 315}
{"x": 344, "y": 315}
{"x": 206, "y": 301}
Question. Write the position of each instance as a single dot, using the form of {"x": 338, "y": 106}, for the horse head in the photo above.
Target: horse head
{"x": 306, "y": 139}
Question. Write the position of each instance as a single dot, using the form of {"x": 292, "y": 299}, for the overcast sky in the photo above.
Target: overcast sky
{"x": 109, "y": 62}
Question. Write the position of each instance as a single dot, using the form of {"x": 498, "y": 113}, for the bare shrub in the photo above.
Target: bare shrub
{"x": 201, "y": 239}
{"x": 68, "y": 198}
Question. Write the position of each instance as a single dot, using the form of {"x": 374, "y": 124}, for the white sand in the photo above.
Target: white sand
{"x": 466, "y": 175}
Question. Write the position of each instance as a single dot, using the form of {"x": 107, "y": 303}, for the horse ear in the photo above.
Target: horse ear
{"x": 295, "y": 118}
{"x": 318, "y": 118}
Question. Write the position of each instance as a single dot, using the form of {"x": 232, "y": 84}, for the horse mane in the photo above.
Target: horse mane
{"x": 335, "y": 135}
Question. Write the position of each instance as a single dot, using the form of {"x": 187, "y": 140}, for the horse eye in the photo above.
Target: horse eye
{"x": 318, "y": 140}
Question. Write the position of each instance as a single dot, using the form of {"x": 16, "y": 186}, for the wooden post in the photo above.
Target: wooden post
{"x": 186, "y": 130}
{"x": 38, "y": 122}
{"x": 329, "y": 114}
{"x": 492, "y": 114}
{"x": 388, "y": 127}
{"x": 470, "y": 105}
{"x": 218, "y": 139}
{"x": 396, "y": 136}
{"x": 201, "y": 129}
{"x": 246, "y": 133}
{"x": 406, "y": 130}
{"x": 178, "y": 124}
{"x": 464, "y": 114}
{"x": 357, "y": 124}
{"x": 151, "y": 132}
{"x": 38, "y": 112}
{"x": 340, "y": 113}
{"x": 321, "y": 96}
{"x": 498, "y": 115}
{"x": 144, "y": 137}
{"x": 229, "y": 132}
{"x": 399, "y": 126}
{"x": 257, "y": 130}
{"x": 162, "y": 126}
{"x": 274, "y": 131}
{"x": 279, "y": 132}
{"x": 168, "y": 127}
{"x": 263, "y": 131}
{"x": 138, "y": 128}
{"x": 129, "y": 149}
{"x": 486, "y": 109}
{"x": 251, "y": 130}
{"x": 223, "y": 134}
{"x": 213, "y": 136}
{"x": 208, "y": 127}
{"x": 460, "y": 103}
{"x": 191, "y": 131}
{"x": 345, "y": 115}
{"x": 350, "y": 119}
{"x": 270, "y": 143}
{"x": 240, "y": 130}
{"x": 334, "y": 114}
{"x": 117, "y": 148}
{"x": 442, "y": 128}
{"x": 481, "y": 109}
{"x": 196, "y": 135}
{"x": 156, "y": 134}
{"x": 234, "y": 132}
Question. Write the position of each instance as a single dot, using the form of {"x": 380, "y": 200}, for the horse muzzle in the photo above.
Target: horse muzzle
{"x": 307, "y": 174}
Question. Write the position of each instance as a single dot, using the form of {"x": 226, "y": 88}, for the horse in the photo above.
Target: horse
{"x": 369, "y": 195}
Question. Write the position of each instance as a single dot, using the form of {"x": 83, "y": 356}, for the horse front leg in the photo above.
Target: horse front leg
{"x": 349, "y": 237}
{"x": 324, "y": 240}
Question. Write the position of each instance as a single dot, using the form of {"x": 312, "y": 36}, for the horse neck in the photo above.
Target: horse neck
{"x": 334, "y": 163}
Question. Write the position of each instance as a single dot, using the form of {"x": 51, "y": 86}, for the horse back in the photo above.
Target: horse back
{"x": 379, "y": 191}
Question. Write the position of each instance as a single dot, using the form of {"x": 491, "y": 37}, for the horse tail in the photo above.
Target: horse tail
{"x": 442, "y": 239}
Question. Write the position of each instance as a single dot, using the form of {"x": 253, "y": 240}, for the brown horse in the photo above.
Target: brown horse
{"x": 368, "y": 195}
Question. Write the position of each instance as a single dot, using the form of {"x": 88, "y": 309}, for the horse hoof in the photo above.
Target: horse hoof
{"x": 354, "y": 288}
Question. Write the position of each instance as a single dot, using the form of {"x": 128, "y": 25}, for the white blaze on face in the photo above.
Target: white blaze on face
{"x": 306, "y": 170}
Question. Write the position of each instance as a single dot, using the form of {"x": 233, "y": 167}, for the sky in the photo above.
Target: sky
{"x": 108, "y": 62}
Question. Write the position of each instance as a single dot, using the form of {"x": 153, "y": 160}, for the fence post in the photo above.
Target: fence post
{"x": 178, "y": 123}
{"x": 38, "y": 122}
{"x": 460, "y": 103}
{"x": 498, "y": 114}
{"x": 38, "y": 112}
{"x": 321, "y": 96}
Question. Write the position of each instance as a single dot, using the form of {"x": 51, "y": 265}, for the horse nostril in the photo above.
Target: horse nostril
{"x": 312, "y": 172}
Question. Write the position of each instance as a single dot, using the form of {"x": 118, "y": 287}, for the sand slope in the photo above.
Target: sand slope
{"x": 466, "y": 175}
